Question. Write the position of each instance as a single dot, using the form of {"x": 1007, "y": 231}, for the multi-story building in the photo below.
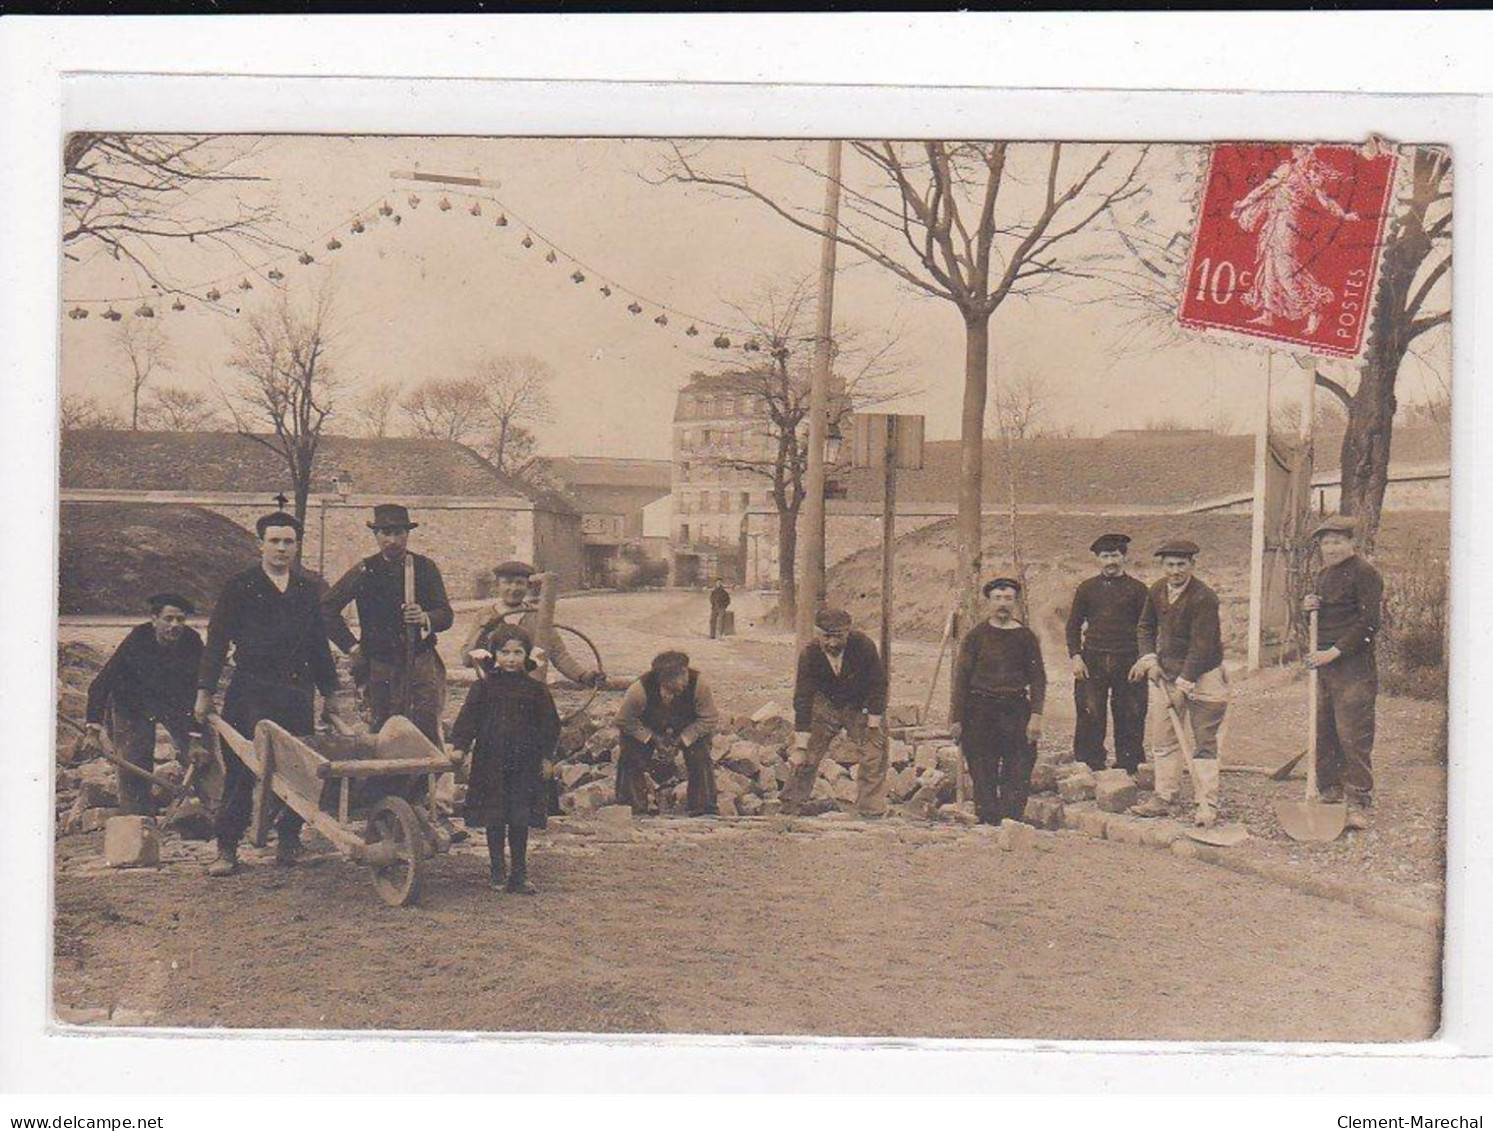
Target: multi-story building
{"x": 613, "y": 496}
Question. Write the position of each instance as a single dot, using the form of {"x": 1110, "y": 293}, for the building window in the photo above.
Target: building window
{"x": 746, "y": 500}
{"x": 725, "y": 502}
{"x": 684, "y": 532}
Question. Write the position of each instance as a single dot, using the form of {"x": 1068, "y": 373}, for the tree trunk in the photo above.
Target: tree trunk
{"x": 968, "y": 534}
{"x": 135, "y": 410}
{"x": 787, "y": 578}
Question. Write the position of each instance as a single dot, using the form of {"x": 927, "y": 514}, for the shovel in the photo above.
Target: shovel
{"x": 1312, "y": 820}
{"x": 1221, "y": 836}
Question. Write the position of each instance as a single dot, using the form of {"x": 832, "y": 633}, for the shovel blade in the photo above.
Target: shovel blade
{"x": 1222, "y": 836}
{"x": 1314, "y": 822}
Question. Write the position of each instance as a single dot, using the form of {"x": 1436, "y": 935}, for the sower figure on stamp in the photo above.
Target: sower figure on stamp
{"x": 840, "y": 686}
{"x": 1181, "y": 650}
{"x": 150, "y": 679}
{"x": 1102, "y": 650}
{"x": 1348, "y": 599}
{"x": 271, "y": 617}
{"x": 668, "y": 711}
{"x": 394, "y": 632}
{"x": 1000, "y": 685}
{"x": 720, "y": 601}
{"x": 513, "y": 607}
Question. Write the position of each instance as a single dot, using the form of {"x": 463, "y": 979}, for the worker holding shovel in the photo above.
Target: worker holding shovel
{"x": 1347, "y": 600}
{"x": 1181, "y": 648}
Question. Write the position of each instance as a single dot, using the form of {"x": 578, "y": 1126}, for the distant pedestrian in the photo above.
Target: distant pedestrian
{"x": 840, "y": 686}
{"x": 1000, "y": 686}
{"x": 720, "y": 601}
{"x": 1348, "y": 597}
{"x": 667, "y": 712}
{"x": 1102, "y": 650}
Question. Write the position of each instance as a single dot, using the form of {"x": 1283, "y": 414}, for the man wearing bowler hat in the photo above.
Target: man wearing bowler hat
{"x": 1181, "y": 648}
{"x": 1347, "y": 599}
{"x": 395, "y": 656}
{"x": 514, "y": 607}
{"x": 840, "y": 686}
{"x": 1102, "y": 649}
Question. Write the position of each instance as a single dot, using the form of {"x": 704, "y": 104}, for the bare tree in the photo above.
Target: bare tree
{"x": 371, "y": 412}
{"x": 173, "y": 408}
{"x": 969, "y": 222}
{"x": 78, "y": 412}
{"x": 286, "y": 383}
{"x": 1020, "y": 406}
{"x": 448, "y": 408}
{"x": 517, "y": 390}
{"x": 146, "y": 352}
{"x": 775, "y": 448}
{"x": 137, "y": 196}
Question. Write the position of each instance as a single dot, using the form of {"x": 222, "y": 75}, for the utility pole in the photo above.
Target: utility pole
{"x": 811, "y": 576}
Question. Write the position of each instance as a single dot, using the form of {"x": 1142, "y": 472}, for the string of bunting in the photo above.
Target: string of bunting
{"x": 379, "y": 212}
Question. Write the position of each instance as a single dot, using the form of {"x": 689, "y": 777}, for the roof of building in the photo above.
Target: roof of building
{"x": 394, "y": 467}
{"x": 601, "y": 471}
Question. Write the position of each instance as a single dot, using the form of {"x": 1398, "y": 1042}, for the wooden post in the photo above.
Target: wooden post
{"x": 1257, "y": 527}
{"x": 888, "y": 537}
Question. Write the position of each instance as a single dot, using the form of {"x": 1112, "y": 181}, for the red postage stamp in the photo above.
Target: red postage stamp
{"x": 1287, "y": 243}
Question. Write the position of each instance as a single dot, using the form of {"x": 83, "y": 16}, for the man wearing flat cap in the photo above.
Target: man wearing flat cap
{"x": 840, "y": 686}
{"x": 1181, "y": 648}
{"x": 271, "y": 617}
{"x": 1347, "y": 598}
{"x": 995, "y": 713}
{"x": 514, "y": 607}
{"x": 1102, "y": 649}
{"x": 667, "y": 712}
{"x": 150, "y": 679}
{"x": 395, "y": 651}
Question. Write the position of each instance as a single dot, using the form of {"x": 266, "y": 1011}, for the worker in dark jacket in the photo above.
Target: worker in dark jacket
{"x": 1102, "y": 649}
{"x": 667, "y": 712}
{"x": 149, "y": 680}
{"x": 271, "y": 617}
{"x": 840, "y": 686}
{"x": 1000, "y": 685}
{"x": 388, "y": 625}
{"x": 1181, "y": 648}
{"x": 720, "y": 601}
{"x": 1348, "y": 599}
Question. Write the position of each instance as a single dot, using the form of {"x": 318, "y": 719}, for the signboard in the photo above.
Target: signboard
{"x": 868, "y": 440}
{"x": 1287, "y": 243}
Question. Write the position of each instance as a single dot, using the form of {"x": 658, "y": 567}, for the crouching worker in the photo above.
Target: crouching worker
{"x": 668, "y": 711}
{"x": 999, "y": 688}
{"x": 511, "y": 727}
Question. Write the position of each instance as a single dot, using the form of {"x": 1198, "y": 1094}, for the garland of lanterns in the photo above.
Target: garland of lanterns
{"x": 379, "y": 213}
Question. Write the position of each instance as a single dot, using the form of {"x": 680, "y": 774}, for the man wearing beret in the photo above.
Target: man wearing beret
{"x": 271, "y": 617}
{"x": 1102, "y": 649}
{"x": 840, "y": 686}
{"x": 999, "y": 687}
{"x": 1181, "y": 648}
{"x": 514, "y": 607}
{"x": 149, "y": 679}
{"x": 376, "y": 584}
{"x": 1348, "y": 598}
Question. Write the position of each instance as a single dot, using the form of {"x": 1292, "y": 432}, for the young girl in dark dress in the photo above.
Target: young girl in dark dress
{"x": 510, "y": 724}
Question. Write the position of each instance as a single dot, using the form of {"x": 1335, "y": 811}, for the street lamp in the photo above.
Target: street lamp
{"x": 833, "y": 440}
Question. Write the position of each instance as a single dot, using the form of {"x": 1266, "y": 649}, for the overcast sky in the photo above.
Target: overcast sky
{"x": 427, "y": 297}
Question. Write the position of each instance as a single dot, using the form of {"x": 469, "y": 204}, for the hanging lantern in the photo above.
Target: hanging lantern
{"x": 551, "y": 257}
{"x": 722, "y": 342}
{"x": 275, "y": 274}
{"x": 306, "y": 258}
{"x": 634, "y": 308}
{"x": 334, "y": 244}
{"x": 178, "y": 306}
{"x": 398, "y": 219}
{"x": 577, "y": 277}
{"x": 246, "y": 285}
{"x": 385, "y": 210}
{"x": 528, "y": 241}
{"x": 693, "y": 331}
{"x": 476, "y": 208}
{"x": 662, "y": 320}
{"x": 445, "y": 205}
{"x": 414, "y": 201}
{"x": 501, "y": 221}
{"x": 752, "y": 346}
{"x": 606, "y": 291}
{"x": 144, "y": 310}
{"x": 213, "y": 295}
{"x": 357, "y": 228}
{"x": 113, "y": 315}
{"x": 77, "y": 313}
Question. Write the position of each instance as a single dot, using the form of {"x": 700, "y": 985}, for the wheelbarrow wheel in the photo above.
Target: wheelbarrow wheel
{"x": 395, "y": 823}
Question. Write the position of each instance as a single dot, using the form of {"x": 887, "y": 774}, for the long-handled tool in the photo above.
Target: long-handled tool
{"x": 178, "y": 792}
{"x": 1312, "y": 819}
{"x": 1222, "y": 836}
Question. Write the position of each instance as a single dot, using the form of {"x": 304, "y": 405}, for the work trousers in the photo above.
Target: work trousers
{"x": 871, "y": 753}
{"x": 717, "y": 621}
{"x": 385, "y": 687}
{"x": 133, "y": 737}
{"x": 288, "y": 699}
{"x": 999, "y": 755}
{"x": 1201, "y": 713}
{"x": 1346, "y": 691}
{"x": 634, "y": 790}
{"x": 1108, "y": 689}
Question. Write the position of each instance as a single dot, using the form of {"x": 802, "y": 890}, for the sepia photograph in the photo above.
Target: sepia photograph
{"x": 811, "y": 588}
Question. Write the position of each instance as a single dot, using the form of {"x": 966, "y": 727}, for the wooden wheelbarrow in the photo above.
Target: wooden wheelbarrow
{"x": 352, "y": 790}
